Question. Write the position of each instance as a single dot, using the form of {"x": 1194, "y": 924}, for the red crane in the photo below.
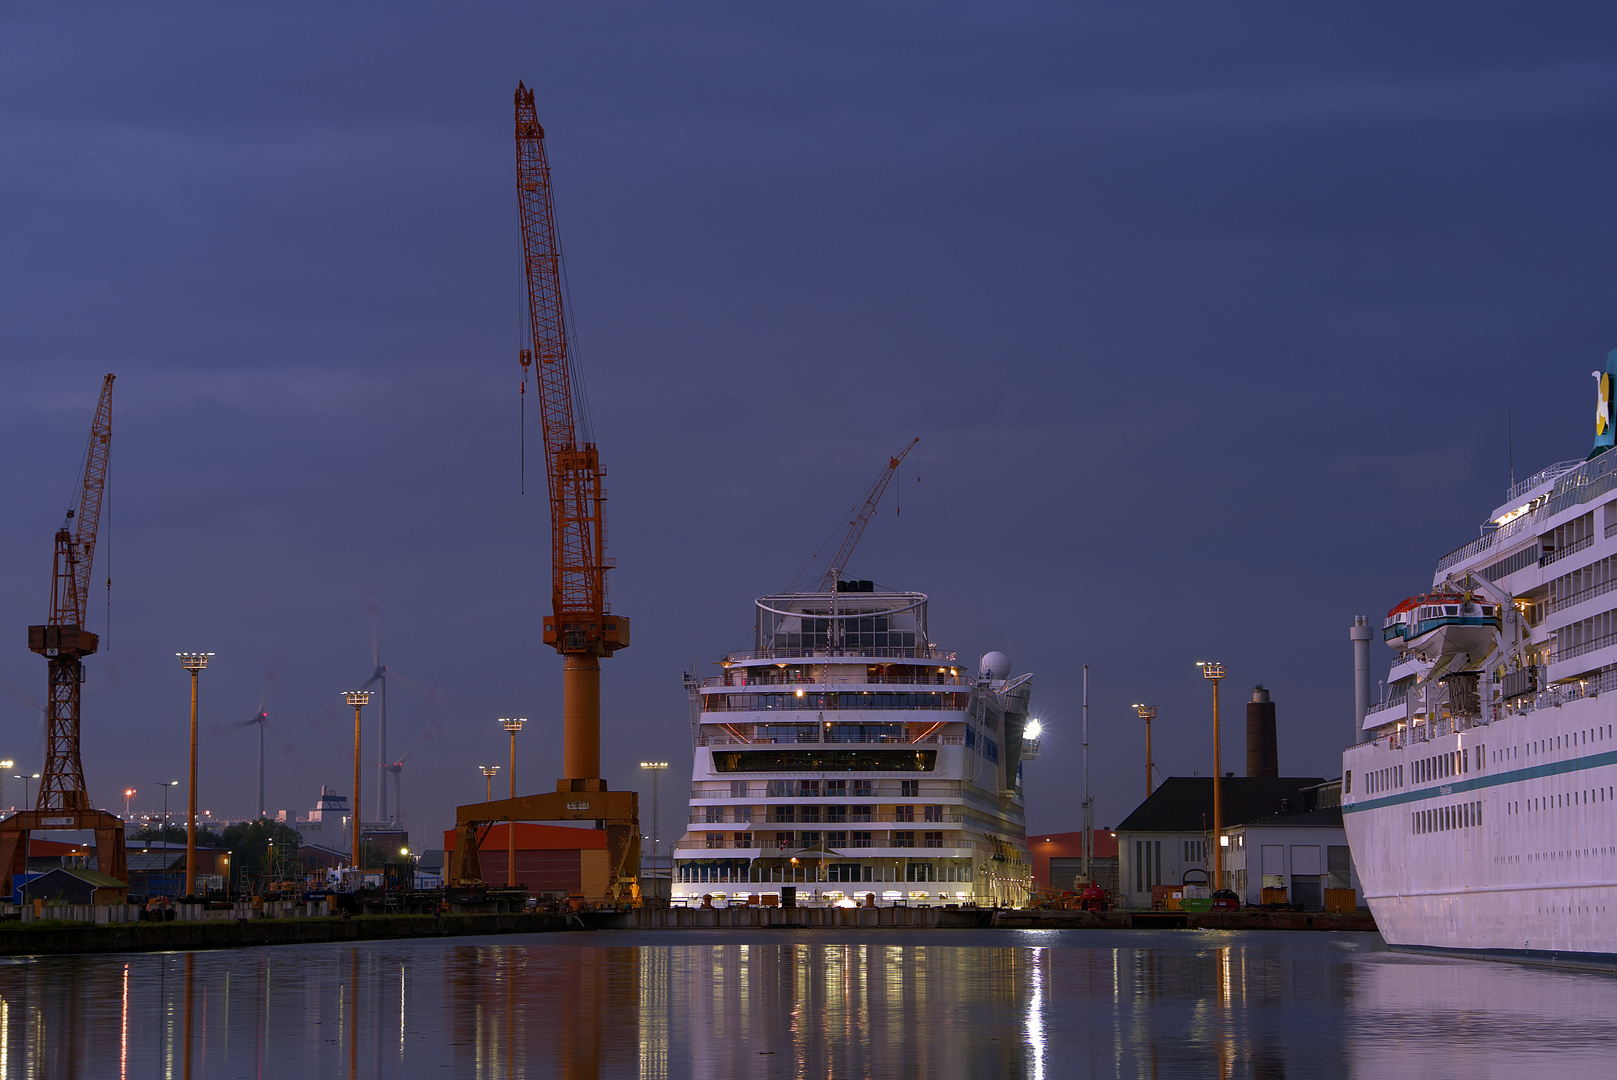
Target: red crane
{"x": 64, "y": 802}
{"x": 581, "y": 626}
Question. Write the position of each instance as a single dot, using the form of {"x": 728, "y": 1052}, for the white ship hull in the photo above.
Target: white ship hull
{"x": 1500, "y": 838}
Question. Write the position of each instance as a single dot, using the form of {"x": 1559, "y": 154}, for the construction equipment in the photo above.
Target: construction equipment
{"x": 861, "y": 518}
{"x": 581, "y": 626}
{"x": 64, "y": 802}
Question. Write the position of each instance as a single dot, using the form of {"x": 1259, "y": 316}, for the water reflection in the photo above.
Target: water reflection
{"x": 829, "y": 1004}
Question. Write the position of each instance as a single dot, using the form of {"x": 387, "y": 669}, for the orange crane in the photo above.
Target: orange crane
{"x": 861, "y": 518}
{"x": 581, "y": 626}
{"x": 64, "y": 802}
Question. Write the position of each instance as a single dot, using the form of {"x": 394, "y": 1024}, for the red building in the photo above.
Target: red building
{"x": 1058, "y": 858}
{"x": 550, "y": 858}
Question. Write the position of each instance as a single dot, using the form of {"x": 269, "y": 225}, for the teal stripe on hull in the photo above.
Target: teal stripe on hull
{"x": 1513, "y": 776}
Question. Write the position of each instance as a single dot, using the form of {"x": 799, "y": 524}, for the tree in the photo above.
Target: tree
{"x": 249, "y": 844}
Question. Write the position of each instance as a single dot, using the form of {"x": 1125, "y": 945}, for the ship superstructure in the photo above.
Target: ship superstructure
{"x": 1482, "y": 810}
{"x": 847, "y": 755}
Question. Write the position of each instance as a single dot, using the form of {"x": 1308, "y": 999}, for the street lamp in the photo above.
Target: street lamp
{"x": 512, "y": 725}
{"x": 655, "y": 768}
{"x": 28, "y": 845}
{"x": 129, "y": 793}
{"x": 1214, "y": 672}
{"x": 163, "y": 829}
{"x": 358, "y": 699}
{"x": 1147, "y": 713}
{"x": 489, "y": 771}
{"x": 195, "y": 663}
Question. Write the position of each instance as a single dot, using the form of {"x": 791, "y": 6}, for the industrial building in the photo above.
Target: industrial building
{"x": 1058, "y": 859}
{"x": 555, "y": 859}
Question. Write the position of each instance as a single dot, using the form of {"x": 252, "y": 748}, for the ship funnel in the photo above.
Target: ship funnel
{"x": 1605, "y": 433}
{"x": 1262, "y": 751}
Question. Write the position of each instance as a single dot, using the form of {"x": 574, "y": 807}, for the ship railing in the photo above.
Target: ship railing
{"x": 885, "y": 652}
{"x": 807, "y": 681}
{"x": 1602, "y": 682}
{"x": 1390, "y": 703}
{"x": 779, "y": 789}
{"x": 809, "y": 703}
{"x": 766, "y": 844}
{"x": 813, "y": 739}
{"x": 1561, "y": 603}
{"x": 1571, "y": 549}
{"x": 1542, "y": 476}
{"x": 890, "y": 818}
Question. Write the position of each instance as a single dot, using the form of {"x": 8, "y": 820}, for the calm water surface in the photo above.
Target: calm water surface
{"x": 833, "y": 1003}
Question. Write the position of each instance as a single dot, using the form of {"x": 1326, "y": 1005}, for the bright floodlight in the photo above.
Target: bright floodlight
{"x": 654, "y": 764}
{"x": 1033, "y": 729}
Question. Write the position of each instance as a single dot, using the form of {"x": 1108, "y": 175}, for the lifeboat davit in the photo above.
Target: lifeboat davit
{"x": 1437, "y": 624}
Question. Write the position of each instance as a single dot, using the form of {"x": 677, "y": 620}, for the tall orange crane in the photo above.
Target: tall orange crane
{"x": 64, "y": 801}
{"x": 581, "y": 626}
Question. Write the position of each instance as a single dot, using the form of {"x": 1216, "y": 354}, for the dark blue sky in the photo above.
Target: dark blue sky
{"x": 1209, "y": 319}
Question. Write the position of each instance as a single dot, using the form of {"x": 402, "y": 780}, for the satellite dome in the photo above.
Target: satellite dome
{"x": 994, "y": 665}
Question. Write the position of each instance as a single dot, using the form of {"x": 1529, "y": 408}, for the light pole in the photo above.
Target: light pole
{"x": 358, "y": 699}
{"x": 489, "y": 773}
{"x": 655, "y": 768}
{"x": 129, "y": 793}
{"x": 28, "y": 843}
{"x": 195, "y": 663}
{"x": 512, "y": 725}
{"x": 1213, "y": 672}
{"x": 1147, "y": 713}
{"x": 162, "y": 833}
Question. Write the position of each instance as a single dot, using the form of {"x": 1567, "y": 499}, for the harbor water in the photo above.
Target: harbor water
{"x": 810, "y": 1004}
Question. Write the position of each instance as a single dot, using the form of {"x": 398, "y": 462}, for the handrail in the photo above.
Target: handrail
{"x": 814, "y": 739}
{"x": 808, "y": 682}
{"x": 1549, "y": 472}
{"x": 1571, "y": 549}
{"x": 1573, "y": 599}
{"x": 809, "y": 656}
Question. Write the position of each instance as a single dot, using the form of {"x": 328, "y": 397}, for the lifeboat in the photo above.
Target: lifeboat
{"x": 1442, "y": 623}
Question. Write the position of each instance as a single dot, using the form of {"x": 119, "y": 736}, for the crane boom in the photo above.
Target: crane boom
{"x": 861, "y": 518}
{"x": 75, "y": 551}
{"x": 572, "y": 469}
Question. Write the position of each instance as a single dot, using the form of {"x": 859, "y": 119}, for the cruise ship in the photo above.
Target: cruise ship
{"x": 1481, "y": 806}
{"x": 846, "y": 756}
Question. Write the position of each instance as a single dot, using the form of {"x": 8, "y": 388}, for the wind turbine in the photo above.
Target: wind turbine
{"x": 397, "y": 769}
{"x": 378, "y": 675}
{"x": 261, "y": 718}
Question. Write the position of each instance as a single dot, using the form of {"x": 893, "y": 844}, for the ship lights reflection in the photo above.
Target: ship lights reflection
{"x": 1035, "y": 1014}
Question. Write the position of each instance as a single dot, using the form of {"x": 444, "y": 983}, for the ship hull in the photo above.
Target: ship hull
{"x": 1497, "y": 839}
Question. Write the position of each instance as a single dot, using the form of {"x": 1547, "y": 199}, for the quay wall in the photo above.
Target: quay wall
{"x": 19, "y": 939}
{"x": 1248, "y": 919}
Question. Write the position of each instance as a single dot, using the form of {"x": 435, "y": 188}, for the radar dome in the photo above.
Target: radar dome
{"x": 994, "y": 665}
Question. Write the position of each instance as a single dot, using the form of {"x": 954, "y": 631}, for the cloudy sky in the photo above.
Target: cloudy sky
{"x": 1217, "y": 324}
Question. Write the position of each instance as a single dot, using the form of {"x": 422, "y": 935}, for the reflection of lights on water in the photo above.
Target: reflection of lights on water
{"x": 123, "y": 1034}
{"x": 1035, "y": 1015}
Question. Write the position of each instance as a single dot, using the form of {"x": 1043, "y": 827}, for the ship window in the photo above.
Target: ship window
{"x": 1451, "y": 610}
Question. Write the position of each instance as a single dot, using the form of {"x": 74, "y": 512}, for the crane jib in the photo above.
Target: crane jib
{"x": 580, "y": 622}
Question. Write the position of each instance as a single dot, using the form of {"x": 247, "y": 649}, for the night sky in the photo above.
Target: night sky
{"x": 1216, "y": 322}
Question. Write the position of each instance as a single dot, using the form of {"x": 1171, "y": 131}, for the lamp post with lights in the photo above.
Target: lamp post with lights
{"x": 1147, "y": 713}
{"x": 358, "y": 699}
{"x": 28, "y": 843}
{"x": 196, "y": 663}
{"x": 512, "y": 725}
{"x": 1214, "y": 672}
{"x": 129, "y": 793}
{"x": 489, "y": 773}
{"x": 655, "y": 768}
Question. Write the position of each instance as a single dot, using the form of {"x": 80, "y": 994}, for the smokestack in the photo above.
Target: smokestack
{"x": 1262, "y": 753}
{"x": 1359, "y": 634}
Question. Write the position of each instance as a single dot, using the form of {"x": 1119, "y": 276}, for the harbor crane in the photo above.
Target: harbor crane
{"x": 64, "y": 801}
{"x": 581, "y": 625}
